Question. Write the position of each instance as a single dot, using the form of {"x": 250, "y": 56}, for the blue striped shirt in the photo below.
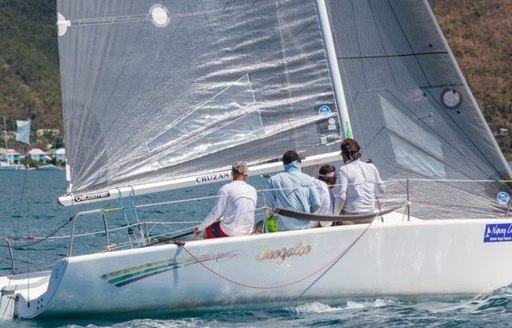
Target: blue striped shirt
{"x": 292, "y": 190}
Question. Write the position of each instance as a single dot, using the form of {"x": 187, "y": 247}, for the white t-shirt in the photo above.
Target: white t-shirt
{"x": 235, "y": 207}
{"x": 355, "y": 192}
{"x": 326, "y": 203}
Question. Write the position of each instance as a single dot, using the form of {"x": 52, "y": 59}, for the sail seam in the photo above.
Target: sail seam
{"x": 397, "y": 55}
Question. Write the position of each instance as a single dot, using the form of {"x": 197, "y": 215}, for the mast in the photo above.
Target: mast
{"x": 5, "y": 136}
{"x": 332, "y": 61}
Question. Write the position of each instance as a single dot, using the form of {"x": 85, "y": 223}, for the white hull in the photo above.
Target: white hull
{"x": 390, "y": 258}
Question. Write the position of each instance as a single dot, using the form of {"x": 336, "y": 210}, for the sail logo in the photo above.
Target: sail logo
{"x": 498, "y": 232}
{"x": 324, "y": 111}
{"x": 213, "y": 177}
{"x": 83, "y": 198}
{"x": 503, "y": 198}
{"x": 280, "y": 255}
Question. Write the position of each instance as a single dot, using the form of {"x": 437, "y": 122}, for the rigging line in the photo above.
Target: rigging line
{"x": 345, "y": 252}
{"x": 100, "y": 232}
{"x": 130, "y": 208}
{"x": 42, "y": 239}
{"x": 170, "y": 239}
{"x": 169, "y": 202}
{"x": 122, "y": 207}
{"x": 28, "y": 269}
{"x": 183, "y": 200}
{"x": 336, "y": 260}
{"x": 457, "y": 187}
{"x": 21, "y": 201}
{"x": 447, "y": 180}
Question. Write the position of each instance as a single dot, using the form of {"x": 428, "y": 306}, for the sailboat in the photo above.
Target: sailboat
{"x": 159, "y": 96}
{"x": 10, "y": 159}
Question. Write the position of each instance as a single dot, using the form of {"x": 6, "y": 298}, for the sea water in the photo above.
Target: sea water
{"x": 29, "y": 211}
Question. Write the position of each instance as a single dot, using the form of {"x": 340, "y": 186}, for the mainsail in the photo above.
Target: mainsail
{"x": 155, "y": 91}
{"x": 411, "y": 109}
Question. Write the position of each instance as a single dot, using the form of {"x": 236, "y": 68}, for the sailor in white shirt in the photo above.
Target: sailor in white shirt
{"x": 357, "y": 181}
{"x": 324, "y": 184}
{"x": 233, "y": 213}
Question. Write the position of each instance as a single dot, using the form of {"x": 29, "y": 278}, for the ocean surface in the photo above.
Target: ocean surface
{"x": 31, "y": 217}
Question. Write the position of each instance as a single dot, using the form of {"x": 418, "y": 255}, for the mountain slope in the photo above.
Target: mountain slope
{"x": 479, "y": 33}
{"x": 29, "y": 76}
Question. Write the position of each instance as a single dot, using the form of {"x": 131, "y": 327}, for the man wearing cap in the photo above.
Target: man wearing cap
{"x": 233, "y": 213}
{"x": 290, "y": 190}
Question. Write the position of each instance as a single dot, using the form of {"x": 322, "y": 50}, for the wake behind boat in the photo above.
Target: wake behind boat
{"x": 158, "y": 97}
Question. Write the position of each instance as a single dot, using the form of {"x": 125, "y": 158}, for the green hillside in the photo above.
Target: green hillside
{"x": 479, "y": 33}
{"x": 29, "y": 76}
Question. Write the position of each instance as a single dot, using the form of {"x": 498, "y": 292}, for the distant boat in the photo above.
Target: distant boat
{"x": 165, "y": 95}
{"x": 10, "y": 159}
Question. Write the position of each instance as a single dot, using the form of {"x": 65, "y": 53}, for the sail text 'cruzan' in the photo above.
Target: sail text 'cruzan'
{"x": 213, "y": 177}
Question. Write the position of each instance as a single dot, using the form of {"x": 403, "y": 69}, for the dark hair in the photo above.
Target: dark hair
{"x": 350, "y": 148}
{"x": 325, "y": 170}
{"x": 291, "y": 156}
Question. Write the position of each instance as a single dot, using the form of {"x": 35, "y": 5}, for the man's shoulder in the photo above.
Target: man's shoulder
{"x": 238, "y": 185}
{"x": 354, "y": 164}
{"x": 305, "y": 179}
{"x": 319, "y": 182}
{"x": 250, "y": 187}
{"x": 226, "y": 186}
{"x": 371, "y": 166}
{"x": 321, "y": 186}
{"x": 277, "y": 177}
